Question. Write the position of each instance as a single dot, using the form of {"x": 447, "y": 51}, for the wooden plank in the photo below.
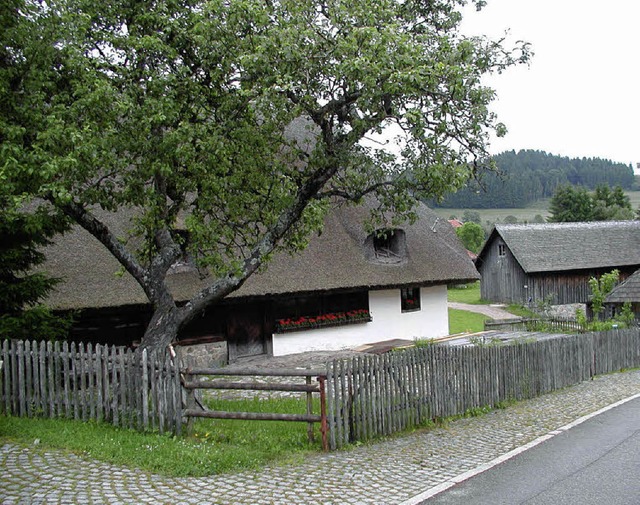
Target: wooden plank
{"x": 33, "y": 377}
{"x": 253, "y": 386}
{"x": 115, "y": 386}
{"x": 256, "y": 416}
{"x": 331, "y": 410}
{"x": 5, "y": 373}
{"x": 145, "y": 389}
{"x": 99, "y": 377}
{"x": 42, "y": 377}
{"x": 281, "y": 372}
{"x": 22, "y": 398}
{"x": 30, "y": 387}
{"x": 54, "y": 379}
{"x": 82, "y": 382}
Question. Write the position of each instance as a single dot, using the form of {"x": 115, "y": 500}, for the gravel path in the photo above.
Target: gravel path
{"x": 492, "y": 311}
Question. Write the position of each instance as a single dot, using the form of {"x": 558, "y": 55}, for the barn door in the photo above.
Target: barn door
{"x": 246, "y": 331}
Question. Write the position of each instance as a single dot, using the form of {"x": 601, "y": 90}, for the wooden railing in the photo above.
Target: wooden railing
{"x": 195, "y": 409}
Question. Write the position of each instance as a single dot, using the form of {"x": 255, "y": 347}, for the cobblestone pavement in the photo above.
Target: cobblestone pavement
{"x": 386, "y": 472}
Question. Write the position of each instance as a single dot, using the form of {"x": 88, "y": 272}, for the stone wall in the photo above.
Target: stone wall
{"x": 210, "y": 355}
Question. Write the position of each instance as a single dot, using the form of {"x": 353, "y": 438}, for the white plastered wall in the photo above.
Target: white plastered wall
{"x": 389, "y": 322}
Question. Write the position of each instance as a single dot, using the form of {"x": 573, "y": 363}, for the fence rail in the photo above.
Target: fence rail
{"x": 80, "y": 381}
{"x": 379, "y": 395}
{"x": 535, "y": 324}
{"x": 191, "y": 384}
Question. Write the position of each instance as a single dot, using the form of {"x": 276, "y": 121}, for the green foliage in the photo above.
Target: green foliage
{"x": 600, "y": 288}
{"x": 247, "y": 117}
{"x": 482, "y": 341}
{"x": 526, "y": 176}
{"x": 626, "y": 316}
{"x": 424, "y": 342}
{"x": 22, "y": 234}
{"x": 472, "y": 236}
{"x": 471, "y": 216}
{"x": 571, "y": 204}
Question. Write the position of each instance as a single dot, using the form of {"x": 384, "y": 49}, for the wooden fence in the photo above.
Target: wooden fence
{"x": 80, "y": 381}
{"x": 194, "y": 409}
{"x": 529, "y": 324}
{"x": 366, "y": 396}
{"x": 379, "y": 395}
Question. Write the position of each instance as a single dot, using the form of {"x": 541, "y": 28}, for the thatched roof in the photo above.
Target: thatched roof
{"x": 626, "y": 291}
{"x": 336, "y": 260}
{"x": 553, "y": 247}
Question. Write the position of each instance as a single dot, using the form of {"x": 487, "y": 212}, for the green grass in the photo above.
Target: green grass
{"x": 470, "y": 293}
{"x": 217, "y": 446}
{"x": 462, "y": 321}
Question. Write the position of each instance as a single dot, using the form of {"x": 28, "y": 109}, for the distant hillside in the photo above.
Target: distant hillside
{"x": 527, "y": 176}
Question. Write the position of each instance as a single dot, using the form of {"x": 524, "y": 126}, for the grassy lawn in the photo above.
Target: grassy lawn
{"x": 470, "y": 293}
{"x": 217, "y": 446}
{"x": 461, "y": 321}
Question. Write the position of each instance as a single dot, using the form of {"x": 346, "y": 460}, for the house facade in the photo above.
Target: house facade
{"x": 532, "y": 263}
{"x": 347, "y": 289}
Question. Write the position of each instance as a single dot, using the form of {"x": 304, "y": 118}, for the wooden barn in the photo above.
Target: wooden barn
{"x": 530, "y": 263}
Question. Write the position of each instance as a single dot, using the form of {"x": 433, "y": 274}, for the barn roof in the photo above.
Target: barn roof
{"x": 571, "y": 246}
{"x": 336, "y": 260}
{"x": 626, "y": 291}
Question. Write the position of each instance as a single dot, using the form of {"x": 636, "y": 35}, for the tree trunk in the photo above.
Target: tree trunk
{"x": 162, "y": 329}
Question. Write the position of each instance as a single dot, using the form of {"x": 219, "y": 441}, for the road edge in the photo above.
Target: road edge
{"x": 433, "y": 491}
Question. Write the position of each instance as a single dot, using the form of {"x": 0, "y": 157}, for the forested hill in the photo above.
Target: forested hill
{"x": 527, "y": 176}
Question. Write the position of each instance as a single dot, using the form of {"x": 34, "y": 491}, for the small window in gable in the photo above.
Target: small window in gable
{"x": 502, "y": 249}
{"x": 388, "y": 246}
{"x": 410, "y": 299}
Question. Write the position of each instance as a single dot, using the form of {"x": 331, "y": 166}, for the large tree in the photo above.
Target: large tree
{"x": 571, "y": 203}
{"x": 191, "y": 112}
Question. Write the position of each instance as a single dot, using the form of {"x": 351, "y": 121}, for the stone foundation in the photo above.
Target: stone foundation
{"x": 210, "y": 355}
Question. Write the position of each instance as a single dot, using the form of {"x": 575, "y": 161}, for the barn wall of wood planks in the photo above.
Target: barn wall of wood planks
{"x": 378, "y": 395}
{"x": 82, "y": 381}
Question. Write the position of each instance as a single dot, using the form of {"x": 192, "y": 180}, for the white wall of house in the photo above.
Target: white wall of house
{"x": 389, "y": 322}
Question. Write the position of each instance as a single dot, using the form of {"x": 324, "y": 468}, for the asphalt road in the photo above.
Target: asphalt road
{"x": 594, "y": 463}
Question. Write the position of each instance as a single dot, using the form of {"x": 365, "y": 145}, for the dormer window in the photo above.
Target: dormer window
{"x": 387, "y": 246}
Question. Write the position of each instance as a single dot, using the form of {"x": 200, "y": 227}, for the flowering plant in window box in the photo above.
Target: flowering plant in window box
{"x": 323, "y": 320}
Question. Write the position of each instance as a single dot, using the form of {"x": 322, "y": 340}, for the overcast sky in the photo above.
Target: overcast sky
{"x": 581, "y": 94}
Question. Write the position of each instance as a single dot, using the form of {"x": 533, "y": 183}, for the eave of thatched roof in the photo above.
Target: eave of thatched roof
{"x": 571, "y": 246}
{"x": 334, "y": 261}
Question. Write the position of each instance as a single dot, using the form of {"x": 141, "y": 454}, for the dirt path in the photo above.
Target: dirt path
{"x": 494, "y": 312}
